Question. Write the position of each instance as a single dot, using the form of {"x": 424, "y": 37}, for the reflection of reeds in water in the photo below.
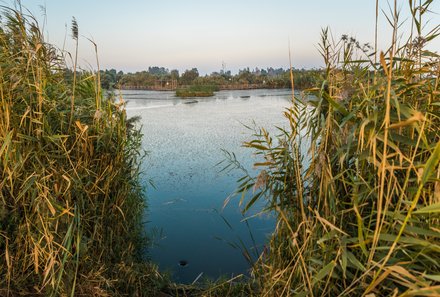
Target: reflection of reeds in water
{"x": 363, "y": 218}
{"x": 70, "y": 201}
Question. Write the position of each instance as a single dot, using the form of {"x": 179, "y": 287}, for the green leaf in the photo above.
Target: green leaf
{"x": 410, "y": 240}
{"x": 421, "y": 231}
{"x": 431, "y": 164}
{"x": 402, "y": 139}
{"x": 353, "y": 260}
{"x": 433, "y": 208}
{"x": 256, "y": 146}
{"x": 344, "y": 260}
{"x": 301, "y": 294}
{"x": 359, "y": 61}
{"x": 252, "y": 201}
{"x": 361, "y": 227}
{"x": 433, "y": 277}
{"x": 328, "y": 236}
{"x": 429, "y": 53}
{"x": 26, "y": 137}
{"x": 6, "y": 143}
{"x": 263, "y": 164}
{"x": 30, "y": 181}
{"x": 326, "y": 270}
{"x": 336, "y": 105}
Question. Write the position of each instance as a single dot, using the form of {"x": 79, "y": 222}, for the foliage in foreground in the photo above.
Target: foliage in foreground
{"x": 359, "y": 212}
{"x": 70, "y": 201}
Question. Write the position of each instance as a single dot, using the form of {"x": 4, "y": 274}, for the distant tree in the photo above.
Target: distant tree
{"x": 245, "y": 76}
{"x": 227, "y": 75}
{"x": 158, "y": 71}
{"x": 174, "y": 74}
{"x": 110, "y": 78}
{"x": 189, "y": 76}
{"x": 119, "y": 75}
{"x": 138, "y": 79}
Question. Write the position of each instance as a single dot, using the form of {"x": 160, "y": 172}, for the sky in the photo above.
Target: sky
{"x": 181, "y": 34}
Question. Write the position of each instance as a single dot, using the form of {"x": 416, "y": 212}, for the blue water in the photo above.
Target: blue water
{"x": 185, "y": 209}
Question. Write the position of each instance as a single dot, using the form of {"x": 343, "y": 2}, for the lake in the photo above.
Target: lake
{"x": 194, "y": 234}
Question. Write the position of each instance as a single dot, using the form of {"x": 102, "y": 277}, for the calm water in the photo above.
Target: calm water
{"x": 185, "y": 142}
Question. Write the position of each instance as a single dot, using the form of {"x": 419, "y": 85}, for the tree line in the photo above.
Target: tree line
{"x": 264, "y": 78}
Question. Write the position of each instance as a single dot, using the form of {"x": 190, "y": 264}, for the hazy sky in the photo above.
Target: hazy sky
{"x": 134, "y": 34}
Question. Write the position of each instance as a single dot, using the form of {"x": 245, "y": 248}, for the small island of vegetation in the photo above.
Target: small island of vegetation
{"x": 196, "y": 91}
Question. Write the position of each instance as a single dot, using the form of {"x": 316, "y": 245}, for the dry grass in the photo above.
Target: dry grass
{"x": 362, "y": 219}
{"x": 70, "y": 199}
{"x": 358, "y": 214}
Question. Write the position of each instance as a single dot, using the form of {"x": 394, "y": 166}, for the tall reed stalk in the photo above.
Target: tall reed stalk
{"x": 75, "y": 36}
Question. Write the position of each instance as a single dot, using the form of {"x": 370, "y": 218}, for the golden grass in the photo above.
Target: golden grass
{"x": 362, "y": 219}
{"x": 70, "y": 200}
{"x": 357, "y": 215}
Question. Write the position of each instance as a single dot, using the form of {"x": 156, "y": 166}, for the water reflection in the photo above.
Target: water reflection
{"x": 185, "y": 142}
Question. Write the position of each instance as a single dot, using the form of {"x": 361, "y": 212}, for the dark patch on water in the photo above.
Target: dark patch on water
{"x": 191, "y": 102}
{"x": 183, "y": 263}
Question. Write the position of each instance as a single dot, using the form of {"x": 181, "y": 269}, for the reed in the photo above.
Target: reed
{"x": 358, "y": 213}
{"x": 70, "y": 199}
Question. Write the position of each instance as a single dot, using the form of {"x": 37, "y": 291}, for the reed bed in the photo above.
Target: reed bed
{"x": 71, "y": 204}
{"x": 358, "y": 213}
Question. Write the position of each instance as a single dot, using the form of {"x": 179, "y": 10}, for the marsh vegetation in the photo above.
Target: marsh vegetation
{"x": 70, "y": 199}
{"x": 357, "y": 215}
{"x": 362, "y": 218}
{"x": 160, "y": 78}
{"x": 196, "y": 91}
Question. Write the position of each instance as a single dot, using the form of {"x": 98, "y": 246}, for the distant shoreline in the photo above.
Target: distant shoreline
{"x": 220, "y": 88}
